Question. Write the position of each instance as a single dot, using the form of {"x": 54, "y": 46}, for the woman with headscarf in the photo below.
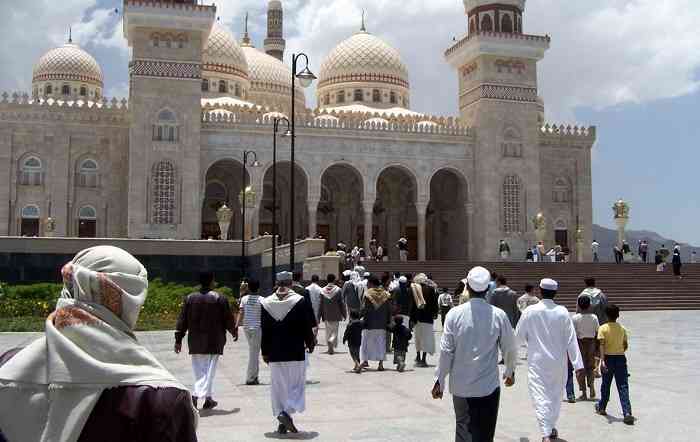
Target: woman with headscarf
{"x": 88, "y": 378}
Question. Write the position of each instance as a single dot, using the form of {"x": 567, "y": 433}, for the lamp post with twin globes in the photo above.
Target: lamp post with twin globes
{"x": 276, "y": 123}
{"x": 245, "y": 196}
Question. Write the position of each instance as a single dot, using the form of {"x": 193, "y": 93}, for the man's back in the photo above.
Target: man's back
{"x": 205, "y": 317}
{"x": 507, "y": 300}
{"x": 547, "y": 328}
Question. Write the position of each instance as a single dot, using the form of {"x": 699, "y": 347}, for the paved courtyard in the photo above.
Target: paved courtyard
{"x": 373, "y": 406}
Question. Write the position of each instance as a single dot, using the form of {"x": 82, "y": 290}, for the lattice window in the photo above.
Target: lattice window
{"x": 392, "y": 97}
{"x": 357, "y": 96}
{"x": 340, "y": 98}
{"x": 512, "y": 204}
{"x": 88, "y": 174}
{"x": 65, "y": 90}
{"x": 83, "y": 91}
{"x": 506, "y": 23}
{"x": 31, "y": 172}
{"x": 205, "y": 85}
{"x": 87, "y": 213}
{"x": 166, "y": 130}
{"x": 163, "y": 193}
{"x": 49, "y": 89}
{"x": 223, "y": 87}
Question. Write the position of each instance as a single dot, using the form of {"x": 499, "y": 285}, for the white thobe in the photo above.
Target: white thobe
{"x": 288, "y": 387}
{"x": 204, "y": 368}
{"x": 549, "y": 333}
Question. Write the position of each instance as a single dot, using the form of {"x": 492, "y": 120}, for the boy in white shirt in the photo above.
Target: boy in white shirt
{"x": 586, "y": 326}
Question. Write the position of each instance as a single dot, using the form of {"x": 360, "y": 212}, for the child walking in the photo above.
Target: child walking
{"x": 353, "y": 337}
{"x": 586, "y": 326}
{"x": 613, "y": 345}
{"x": 402, "y": 336}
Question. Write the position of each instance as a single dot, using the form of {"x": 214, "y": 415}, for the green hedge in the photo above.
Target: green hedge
{"x": 22, "y": 307}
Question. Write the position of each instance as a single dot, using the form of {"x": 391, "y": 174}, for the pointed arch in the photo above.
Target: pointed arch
{"x": 486, "y": 23}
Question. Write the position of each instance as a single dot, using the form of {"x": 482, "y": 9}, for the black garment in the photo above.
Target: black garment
{"x": 529, "y": 256}
{"x": 402, "y": 336}
{"x": 626, "y": 249}
{"x": 207, "y": 317}
{"x": 353, "y": 333}
{"x": 429, "y": 312}
{"x": 677, "y": 264}
{"x": 402, "y": 297}
{"x": 658, "y": 259}
{"x": 443, "y": 313}
{"x": 476, "y": 417}
{"x": 301, "y": 291}
{"x": 350, "y": 297}
{"x": 288, "y": 339}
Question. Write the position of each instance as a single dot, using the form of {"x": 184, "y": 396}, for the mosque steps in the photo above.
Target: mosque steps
{"x": 631, "y": 286}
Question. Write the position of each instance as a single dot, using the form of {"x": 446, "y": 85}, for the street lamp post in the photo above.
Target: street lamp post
{"x": 306, "y": 77}
{"x": 244, "y": 198}
{"x": 276, "y": 124}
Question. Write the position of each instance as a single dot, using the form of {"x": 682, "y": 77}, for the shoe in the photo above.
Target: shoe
{"x": 253, "y": 382}
{"x": 628, "y": 419}
{"x": 582, "y": 398}
{"x": 571, "y": 400}
{"x": 381, "y": 368}
{"x": 209, "y": 404}
{"x": 599, "y": 411}
{"x": 331, "y": 351}
{"x": 592, "y": 393}
{"x": 501, "y": 362}
{"x": 401, "y": 368}
{"x": 287, "y": 421}
{"x": 281, "y": 429}
{"x": 194, "y": 401}
{"x": 364, "y": 365}
{"x": 554, "y": 435}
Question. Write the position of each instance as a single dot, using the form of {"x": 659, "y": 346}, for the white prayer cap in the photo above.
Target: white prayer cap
{"x": 284, "y": 276}
{"x": 366, "y": 275}
{"x": 347, "y": 273}
{"x": 479, "y": 279}
{"x": 549, "y": 284}
{"x": 403, "y": 280}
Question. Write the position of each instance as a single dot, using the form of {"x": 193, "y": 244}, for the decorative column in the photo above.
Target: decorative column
{"x": 313, "y": 220}
{"x": 49, "y": 227}
{"x": 622, "y": 216}
{"x": 247, "y": 200}
{"x": 421, "y": 211}
{"x": 223, "y": 216}
{"x": 368, "y": 209}
{"x": 469, "y": 209}
{"x": 579, "y": 244}
{"x": 540, "y": 225}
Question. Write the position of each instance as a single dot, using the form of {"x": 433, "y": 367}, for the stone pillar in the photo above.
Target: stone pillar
{"x": 368, "y": 209}
{"x": 313, "y": 221}
{"x": 421, "y": 211}
{"x": 469, "y": 209}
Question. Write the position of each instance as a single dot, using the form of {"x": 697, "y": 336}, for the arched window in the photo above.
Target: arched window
{"x": 88, "y": 174}
{"x": 392, "y": 97}
{"x": 29, "y": 215}
{"x": 163, "y": 193}
{"x": 31, "y": 172}
{"x": 237, "y": 90}
{"x": 561, "y": 192}
{"x": 327, "y": 99}
{"x": 506, "y": 23}
{"x": 222, "y": 87}
{"x": 487, "y": 23}
{"x": 65, "y": 90}
{"x": 87, "y": 222}
{"x": 181, "y": 42}
{"x": 166, "y": 129}
{"x": 83, "y": 91}
{"x": 472, "y": 26}
{"x": 376, "y": 96}
{"x": 168, "y": 43}
{"x": 49, "y": 89}
{"x": 205, "y": 85}
{"x": 156, "y": 41}
{"x": 340, "y": 98}
{"x": 512, "y": 190}
{"x": 98, "y": 94}
{"x": 357, "y": 95}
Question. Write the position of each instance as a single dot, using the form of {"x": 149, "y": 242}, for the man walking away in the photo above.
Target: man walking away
{"x": 332, "y": 311}
{"x": 549, "y": 333}
{"x": 528, "y": 298}
{"x": 207, "y": 317}
{"x": 504, "y": 250}
{"x": 402, "y": 336}
{"x": 677, "y": 264}
{"x": 506, "y": 299}
{"x": 595, "y": 248}
{"x": 599, "y": 301}
{"x": 249, "y": 319}
{"x": 350, "y": 294}
{"x": 402, "y": 245}
{"x": 473, "y": 334}
{"x": 643, "y": 251}
{"x": 446, "y": 303}
{"x": 287, "y": 333}
{"x": 586, "y": 326}
{"x": 315, "y": 296}
{"x": 377, "y": 317}
{"x": 402, "y": 298}
{"x": 659, "y": 261}
{"x": 423, "y": 316}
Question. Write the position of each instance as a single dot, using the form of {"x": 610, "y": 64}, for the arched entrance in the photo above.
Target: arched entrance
{"x": 395, "y": 210}
{"x": 224, "y": 182}
{"x": 284, "y": 217}
{"x": 446, "y": 224}
{"x": 339, "y": 216}
{"x": 29, "y": 221}
{"x": 87, "y": 222}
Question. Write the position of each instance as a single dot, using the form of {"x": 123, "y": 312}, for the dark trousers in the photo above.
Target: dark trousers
{"x": 443, "y": 314}
{"x": 570, "y": 394}
{"x": 617, "y": 369}
{"x": 476, "y": 417}
{"x": 644, "y": 257}
{"x": 355, "y": 354}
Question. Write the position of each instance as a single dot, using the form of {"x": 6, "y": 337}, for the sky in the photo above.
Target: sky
{"x": 629, "y": 67}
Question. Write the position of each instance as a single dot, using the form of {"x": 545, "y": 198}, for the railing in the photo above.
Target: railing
{"x": 22, "y": 107}
{"x": 568, "y": 130}
{"x": 544, "y": 39}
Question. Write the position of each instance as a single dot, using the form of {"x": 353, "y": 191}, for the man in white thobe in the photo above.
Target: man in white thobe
{"x": 549, "y": 333}
{"x": 315, "y": 296}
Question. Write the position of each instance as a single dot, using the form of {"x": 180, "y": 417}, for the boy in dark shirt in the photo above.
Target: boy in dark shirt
{"x": 402, "y": 336}
{"x": 353, "y": 337}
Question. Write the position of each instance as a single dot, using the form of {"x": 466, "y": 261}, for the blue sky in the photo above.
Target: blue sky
{"x": 630, "y": 67}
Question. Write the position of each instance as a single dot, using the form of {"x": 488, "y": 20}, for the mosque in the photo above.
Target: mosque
{"x": 160, "y": 164}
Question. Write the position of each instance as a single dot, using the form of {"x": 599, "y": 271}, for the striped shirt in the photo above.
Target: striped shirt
{"x": 250, "y": 305}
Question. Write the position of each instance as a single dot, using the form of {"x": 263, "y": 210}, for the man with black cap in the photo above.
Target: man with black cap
{"x": 472, "y": 336}
{"x": 549, "y": 333}
{"x": 288, "y": 323}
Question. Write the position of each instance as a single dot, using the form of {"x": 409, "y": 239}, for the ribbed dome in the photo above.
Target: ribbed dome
{"x": 68, "y": 63}
{"x": 366, "y": 58}
{"x": 223, "y": 54}
{"x": 268, "y": 75}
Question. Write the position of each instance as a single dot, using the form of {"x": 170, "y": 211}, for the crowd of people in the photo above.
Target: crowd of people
{"x": 67, "y": 382}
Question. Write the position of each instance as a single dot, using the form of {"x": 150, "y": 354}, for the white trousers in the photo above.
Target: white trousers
{"x": 204, "y": 368}
{"x": 254, "y": 337}
{"x": 403, "y": 255}
{"x": 332, "y": 334}
{"x": 288, "y": 387}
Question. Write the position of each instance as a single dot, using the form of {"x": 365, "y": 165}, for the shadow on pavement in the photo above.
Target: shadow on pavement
{"x": 215, "y": 412}
{"x": 302, "y": 435}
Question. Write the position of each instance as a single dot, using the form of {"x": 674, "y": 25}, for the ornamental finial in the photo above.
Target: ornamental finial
{"x": 363, "y": 28}
{"x": 246, "y": 37}
{"x": 70, "y": 34}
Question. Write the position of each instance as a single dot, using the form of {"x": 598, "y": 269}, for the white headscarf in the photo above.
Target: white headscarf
{"x": 49, "y": 389}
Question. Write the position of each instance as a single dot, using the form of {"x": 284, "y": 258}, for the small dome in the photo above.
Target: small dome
{"x": 364, "y": 58}
{"x": 222, "y": 54}
{"x": 68, "y": 63}
{"x": 269, "y": 76}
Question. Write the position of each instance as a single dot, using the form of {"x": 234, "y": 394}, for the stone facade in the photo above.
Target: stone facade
{"x": 165, "y": 162}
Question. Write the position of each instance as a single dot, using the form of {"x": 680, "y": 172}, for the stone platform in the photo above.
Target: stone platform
{"x": 373, "y": 406}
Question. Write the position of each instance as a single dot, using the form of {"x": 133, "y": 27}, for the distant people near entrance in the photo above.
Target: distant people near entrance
{"x": 287, "y": 334}
{"x": 541, "y": 252}
{"x": 402, "y": 245}
{"x": 617, "y": 251}
{"x": 504, "y": 250}
{"x": 446, "y": 302}
{"x": 665, "y": 253}
{"x": 659, "y": 261}
{"x": 206, "y": 316}
{"x": 549, "y": 333}
{"x": 332, "y": 312}
{"x": 595, "y": 248}
{"x": 529, "y": 255}
{"x": 693, "y": 257}
{"x": 677, "y": 263}
{"x": 643, "y": 250}
{"x": 474, "y": 333}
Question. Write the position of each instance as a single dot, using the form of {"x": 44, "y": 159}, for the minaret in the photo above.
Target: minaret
{"x": 274, "y": 43}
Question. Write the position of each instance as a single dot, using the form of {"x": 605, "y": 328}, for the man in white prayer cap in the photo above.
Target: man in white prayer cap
{"x": 549, "y": 333}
